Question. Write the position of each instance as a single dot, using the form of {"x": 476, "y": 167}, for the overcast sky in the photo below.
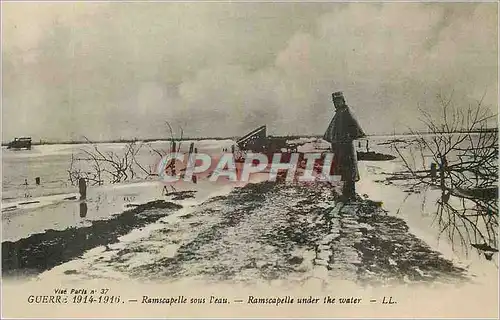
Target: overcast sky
{"x": 120, "y": 70}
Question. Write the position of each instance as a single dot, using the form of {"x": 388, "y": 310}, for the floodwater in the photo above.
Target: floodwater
{"x": 29, "y": 209}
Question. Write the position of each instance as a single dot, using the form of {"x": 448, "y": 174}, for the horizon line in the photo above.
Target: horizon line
{"x": 123, "y": 140}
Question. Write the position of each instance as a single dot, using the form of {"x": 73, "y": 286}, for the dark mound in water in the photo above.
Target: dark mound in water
{"x": 392, "y": 142}
{"x": 43, "y": 251}
{"x": 181, "y": 195}
{"x": 374, "y": 156}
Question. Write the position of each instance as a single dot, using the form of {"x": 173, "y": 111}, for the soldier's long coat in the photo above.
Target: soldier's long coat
{"x": 341, "y": 132}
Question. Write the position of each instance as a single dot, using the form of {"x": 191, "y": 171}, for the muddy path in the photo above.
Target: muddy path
{"x": 270, "y": 231}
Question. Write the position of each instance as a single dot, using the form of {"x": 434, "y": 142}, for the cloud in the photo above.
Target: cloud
{"x": 219, "y": 69}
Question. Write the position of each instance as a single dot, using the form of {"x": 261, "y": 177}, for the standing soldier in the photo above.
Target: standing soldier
{"x": 341, "y": 133}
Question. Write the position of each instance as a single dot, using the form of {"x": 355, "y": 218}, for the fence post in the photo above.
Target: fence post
{"x": 433, "y": 170}
{"x": 82, "y": 188}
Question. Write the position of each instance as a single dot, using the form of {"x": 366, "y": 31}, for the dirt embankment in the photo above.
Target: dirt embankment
{"x": 261, "y": 231}
{"x": 278, "y": 231}
{"x": 43, "y": 251}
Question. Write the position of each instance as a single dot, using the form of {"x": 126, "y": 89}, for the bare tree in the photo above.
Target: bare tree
{"x": 174, "y": 146}
{"x": 76, "y": 172}
{"x": 99, "y": 167}
{"x": 463, "y": 152}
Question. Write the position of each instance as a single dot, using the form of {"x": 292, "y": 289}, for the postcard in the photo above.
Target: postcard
{"x": 237, "y": 159}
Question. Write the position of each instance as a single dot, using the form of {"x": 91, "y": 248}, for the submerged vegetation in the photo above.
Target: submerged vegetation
{"x": 461, "y": 160}
{"x": 98, "y": 167}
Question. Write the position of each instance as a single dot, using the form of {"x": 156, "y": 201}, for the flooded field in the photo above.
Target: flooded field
{"x": 261, "y": 230}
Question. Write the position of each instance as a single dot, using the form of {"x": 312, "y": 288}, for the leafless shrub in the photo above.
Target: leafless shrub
{"x": 104, "y": 167}
{"x": 175, "y": 144}
{"x": 99, "y": 167}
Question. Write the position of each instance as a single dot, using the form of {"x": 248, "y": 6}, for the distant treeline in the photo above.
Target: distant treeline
{"x": 289, "y": 137}
{"x": 41, "y": 142}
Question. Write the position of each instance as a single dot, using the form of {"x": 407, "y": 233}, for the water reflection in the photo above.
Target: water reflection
{"x": 83, "y": 209}
{"x": 464, "y": 168}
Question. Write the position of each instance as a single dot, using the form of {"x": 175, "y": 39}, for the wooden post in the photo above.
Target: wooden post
{"x": 26, "y": 191}
{"x": 433, "y": 172}
{"x": 367, "y": 146}
{"x": 82, "y": 188}
{"x": 191, "y": 150}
